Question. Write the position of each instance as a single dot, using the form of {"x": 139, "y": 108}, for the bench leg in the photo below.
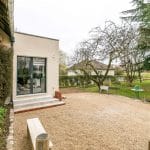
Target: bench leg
{"x": 42, "y": 144}
{"x": 28, "y": 135}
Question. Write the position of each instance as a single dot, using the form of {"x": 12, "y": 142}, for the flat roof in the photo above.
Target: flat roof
{"x": 37, "y": 36}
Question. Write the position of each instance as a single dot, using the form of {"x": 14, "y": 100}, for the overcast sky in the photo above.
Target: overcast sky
{"x": 66, "y": 20}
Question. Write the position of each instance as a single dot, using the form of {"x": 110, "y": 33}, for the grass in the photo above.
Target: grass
{"x": 125, "y": 90}
{"x": 146, "y": 75}
{"x": 4, "y": 126}
{"x": 2, "y": 116}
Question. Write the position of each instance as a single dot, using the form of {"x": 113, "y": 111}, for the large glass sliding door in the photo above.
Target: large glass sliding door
{"x": 31, "y": 75}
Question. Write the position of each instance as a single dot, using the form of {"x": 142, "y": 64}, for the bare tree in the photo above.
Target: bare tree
{"x": 130, "y": 55}
{"x": 107, "y": 44}
{"x": 101, "y": 46}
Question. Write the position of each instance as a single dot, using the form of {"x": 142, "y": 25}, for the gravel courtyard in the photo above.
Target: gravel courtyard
{"x": 91, "y": 121}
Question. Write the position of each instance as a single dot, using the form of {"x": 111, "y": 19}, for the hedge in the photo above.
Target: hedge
{"x": 5, "y": 73}
{"x": 79, "y": 80}
{"x": 70, "y": 81}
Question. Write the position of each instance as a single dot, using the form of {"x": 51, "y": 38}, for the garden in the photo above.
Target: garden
{"x": 125, "y": 90}
{"x": 116, "y": 87}
{"x": 90, "y": 121}
{"x": 4, "y": 125}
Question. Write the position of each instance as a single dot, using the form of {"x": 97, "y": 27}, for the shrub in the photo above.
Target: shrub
{"x": 5, "y": 72}
{"x": 79, "y": 80}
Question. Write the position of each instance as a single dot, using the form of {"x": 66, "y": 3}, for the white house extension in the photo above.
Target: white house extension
{"x": 35, "y": 71}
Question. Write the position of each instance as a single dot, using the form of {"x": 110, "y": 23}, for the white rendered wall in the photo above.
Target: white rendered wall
{"x": 34, "y": 46}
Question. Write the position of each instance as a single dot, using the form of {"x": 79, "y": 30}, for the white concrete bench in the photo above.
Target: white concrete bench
{"x": 105, "y": 88}
{"x": 38, "y": 135}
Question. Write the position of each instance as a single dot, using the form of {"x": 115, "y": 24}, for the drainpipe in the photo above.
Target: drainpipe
{"x": 12, "y": 39}
{"x": 12, "y": 47}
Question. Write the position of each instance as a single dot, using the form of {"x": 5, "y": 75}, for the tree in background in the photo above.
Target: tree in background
{"x": 62, "y": 63}
{"x": 146, "y": 65}
{"x": 140, "y": 14}
{"x": 102, "y": 45}
{"x": 108, "y": 43}
{"x": 131, "y": 58}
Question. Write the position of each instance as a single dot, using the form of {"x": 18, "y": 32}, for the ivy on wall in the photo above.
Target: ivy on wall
{"x": 5, "y": 73}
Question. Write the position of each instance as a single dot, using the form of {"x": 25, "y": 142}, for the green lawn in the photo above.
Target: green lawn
{"x": 146, "y": 75}
{"x": 125, "y": 90}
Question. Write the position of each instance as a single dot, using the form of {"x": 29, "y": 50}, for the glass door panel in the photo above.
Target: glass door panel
{"x": 23, "y": 76}
{"x": 39, "y": 75}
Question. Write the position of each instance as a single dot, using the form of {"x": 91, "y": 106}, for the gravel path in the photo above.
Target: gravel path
{"x": 91, "y": 121}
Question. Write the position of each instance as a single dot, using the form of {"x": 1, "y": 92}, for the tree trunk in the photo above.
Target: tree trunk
{"x": 140, "y": 77}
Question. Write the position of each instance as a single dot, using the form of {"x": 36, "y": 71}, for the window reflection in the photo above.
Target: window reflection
{"x": 31, "y": 75}
{"x": 39, "y": 75}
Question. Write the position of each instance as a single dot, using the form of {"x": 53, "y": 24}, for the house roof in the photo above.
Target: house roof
{"x": 96, "y": 64}
{"x": 43, "y": 37}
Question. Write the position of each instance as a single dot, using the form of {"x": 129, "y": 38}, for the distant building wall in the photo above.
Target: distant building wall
{"x": 110, "y": 72}
{"x": 78, "y": 72}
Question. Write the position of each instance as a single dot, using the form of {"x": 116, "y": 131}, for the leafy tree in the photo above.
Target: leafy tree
{"x": 146, "y": 65}
{"x": 140, "y": 14}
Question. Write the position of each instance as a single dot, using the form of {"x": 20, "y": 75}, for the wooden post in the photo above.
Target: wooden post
{"x": 149, "y": 145}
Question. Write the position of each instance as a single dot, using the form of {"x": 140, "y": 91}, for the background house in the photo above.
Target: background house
{"x": 100, "y": 67}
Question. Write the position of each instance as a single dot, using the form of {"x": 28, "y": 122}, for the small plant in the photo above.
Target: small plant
{"x": 2, "y": 115}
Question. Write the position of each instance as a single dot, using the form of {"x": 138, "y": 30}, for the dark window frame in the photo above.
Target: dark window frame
{"x": 31, "y": 75}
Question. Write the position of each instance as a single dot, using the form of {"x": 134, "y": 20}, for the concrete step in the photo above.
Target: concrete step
{"x": 28, "y": 100}
{"x": 34, "y": 105}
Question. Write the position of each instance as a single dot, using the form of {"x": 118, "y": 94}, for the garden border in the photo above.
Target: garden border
{"x": 10, "y": 137}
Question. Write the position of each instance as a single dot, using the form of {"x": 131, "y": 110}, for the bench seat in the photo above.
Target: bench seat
{"x": 105, "y": 88}
{"x": 38, "y": 135}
